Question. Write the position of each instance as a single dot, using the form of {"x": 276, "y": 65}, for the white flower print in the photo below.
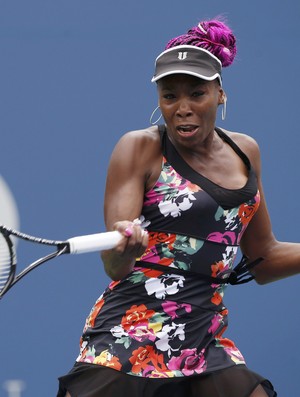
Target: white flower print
{"x": 118, "y": 331}
{"x": 168, "y": 335}
{"x": 167, "y": 284}
{"x": 229, "y": 256}
{"x": 174, "y": 207}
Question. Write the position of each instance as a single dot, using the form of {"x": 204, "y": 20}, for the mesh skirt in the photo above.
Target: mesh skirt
{"x": 88, "y": 380}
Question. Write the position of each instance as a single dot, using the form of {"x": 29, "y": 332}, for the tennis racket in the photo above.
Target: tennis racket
{"x": 9, "y": 214}
{"x": 74, "y": 245}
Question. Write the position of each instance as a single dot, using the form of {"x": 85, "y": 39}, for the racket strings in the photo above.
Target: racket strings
{"x": 6, "y": 259}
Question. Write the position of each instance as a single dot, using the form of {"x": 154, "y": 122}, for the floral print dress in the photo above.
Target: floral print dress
{"x": 167, "y": 318}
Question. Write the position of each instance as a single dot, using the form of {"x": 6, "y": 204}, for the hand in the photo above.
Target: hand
{"x": 119, "y": 261}
{"x": 135, "y": 241}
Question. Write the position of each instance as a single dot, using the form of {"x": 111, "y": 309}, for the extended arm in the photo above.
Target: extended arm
{"x": 281, "y": 259}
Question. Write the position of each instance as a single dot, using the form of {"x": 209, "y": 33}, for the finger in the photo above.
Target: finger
{"x": 128, "y": 231}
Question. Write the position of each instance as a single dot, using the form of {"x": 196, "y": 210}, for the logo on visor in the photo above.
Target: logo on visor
{"x": 182, "y": 55}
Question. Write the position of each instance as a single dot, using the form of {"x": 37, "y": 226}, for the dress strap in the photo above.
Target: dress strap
{"x": 234, "y": 146}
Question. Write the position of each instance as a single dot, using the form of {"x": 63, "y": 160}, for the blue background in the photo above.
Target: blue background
{"x": 75, "y": 76}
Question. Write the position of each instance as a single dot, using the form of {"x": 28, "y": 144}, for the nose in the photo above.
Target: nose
{"x": 184, "y": 109}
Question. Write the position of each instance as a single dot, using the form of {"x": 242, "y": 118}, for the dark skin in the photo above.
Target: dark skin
{"x": 189, "y": 107}
{"x": 186, "y": 101}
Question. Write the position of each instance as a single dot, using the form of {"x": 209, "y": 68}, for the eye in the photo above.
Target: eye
{"x": 168, "y": 96}
{"x": 198, "y": 93}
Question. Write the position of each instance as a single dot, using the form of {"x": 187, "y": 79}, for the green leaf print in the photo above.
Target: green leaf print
{"x": 163, "y": 176}
{"x": 187, "y": 244}
{"x": 219, "y": 213}
{"x": 182, "y": 265}
{"x": 230, "y": 214}
{"x": 159, "y": 318}
{"x": 166, "y": 253}
{"x": 137, "y": 277}
{"x": 233, "y": 212}
{"x": 124, "y": 340}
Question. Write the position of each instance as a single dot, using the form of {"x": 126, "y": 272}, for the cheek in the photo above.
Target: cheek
{"x": 210, "y": 109}
{"x": 166, "y": 111}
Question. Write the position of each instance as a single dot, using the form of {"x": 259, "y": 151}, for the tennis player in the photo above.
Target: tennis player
{"x": 158, "y": 329}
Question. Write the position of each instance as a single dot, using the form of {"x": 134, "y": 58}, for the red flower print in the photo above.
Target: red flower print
{"x": 246, "y": 211}
{"x": 145, "y": 355}
{"x": 230, "y": 348}
{"x": 136, "y": 315}
{"x": 227, "y": 343}
{"x": 151, "y": 254}
{"x": 158, "y": 238}
{"x": 95, "y": 311}
{"x": 217, "y": 268}
{"x": 150, "y": 273}
{"x": 192, "y": 187}
{"x": 216, "y": 298}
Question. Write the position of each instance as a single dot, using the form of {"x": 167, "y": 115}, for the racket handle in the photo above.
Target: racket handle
{"x": 94, "y": 242}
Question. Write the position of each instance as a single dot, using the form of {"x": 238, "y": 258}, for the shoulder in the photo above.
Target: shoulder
{"x": 144, "y": 140}
{"x": 243, "y": 140}
{"x": 248, "y": 145}
{"x": 142, "y": 135}
{"x": 138, "y": 150}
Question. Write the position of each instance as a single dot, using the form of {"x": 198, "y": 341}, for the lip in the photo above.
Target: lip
{"x": 187, "y": 130}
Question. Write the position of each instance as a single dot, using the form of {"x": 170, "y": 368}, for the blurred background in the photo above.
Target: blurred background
{"x": 75, "y": 76}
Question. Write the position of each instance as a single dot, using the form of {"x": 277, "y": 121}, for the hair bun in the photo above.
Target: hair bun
{"x": 219, "y": 38}
{"x": 213, "y": 35}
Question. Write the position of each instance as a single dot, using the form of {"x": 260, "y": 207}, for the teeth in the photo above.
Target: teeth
{"x": 186, "y": 128}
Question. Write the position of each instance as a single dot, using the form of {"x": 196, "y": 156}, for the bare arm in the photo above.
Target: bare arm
{"x": 130, "y": 172}
{"x": 281, "y": 259}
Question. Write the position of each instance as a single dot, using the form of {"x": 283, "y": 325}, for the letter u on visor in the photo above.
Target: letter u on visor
{"x": 190, "y": 60}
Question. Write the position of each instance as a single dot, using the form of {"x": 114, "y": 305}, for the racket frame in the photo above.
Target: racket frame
{"x": 74, "y": 245}
{"x": 7, "y": 232}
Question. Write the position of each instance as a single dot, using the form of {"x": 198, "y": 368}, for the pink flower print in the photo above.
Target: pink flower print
{"x": 171, "y": 307}
{"x": 142, "y": 332}
{"x": 188, "y": 362}
{"x": 235, "y": 355}
{"x": 216, "y": 322}
{"x": 151, "y": 255}
{"x": 137, "y": 324}
{"x": 231, "y": 350}
{"x": 87, "y": 353}
{"x": 153, "y": 195}
{"x": 227, "y": 237}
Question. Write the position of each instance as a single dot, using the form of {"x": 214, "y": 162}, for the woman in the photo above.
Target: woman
{"x": 158, "y": 328}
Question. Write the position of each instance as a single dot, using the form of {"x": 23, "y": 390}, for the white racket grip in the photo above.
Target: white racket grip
{"x": 94, "y": 242}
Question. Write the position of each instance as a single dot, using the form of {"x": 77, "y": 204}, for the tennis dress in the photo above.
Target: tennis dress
{"x": 166, "y": 319}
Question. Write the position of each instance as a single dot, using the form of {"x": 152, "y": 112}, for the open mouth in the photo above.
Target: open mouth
{"x": 187, "y": 130}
